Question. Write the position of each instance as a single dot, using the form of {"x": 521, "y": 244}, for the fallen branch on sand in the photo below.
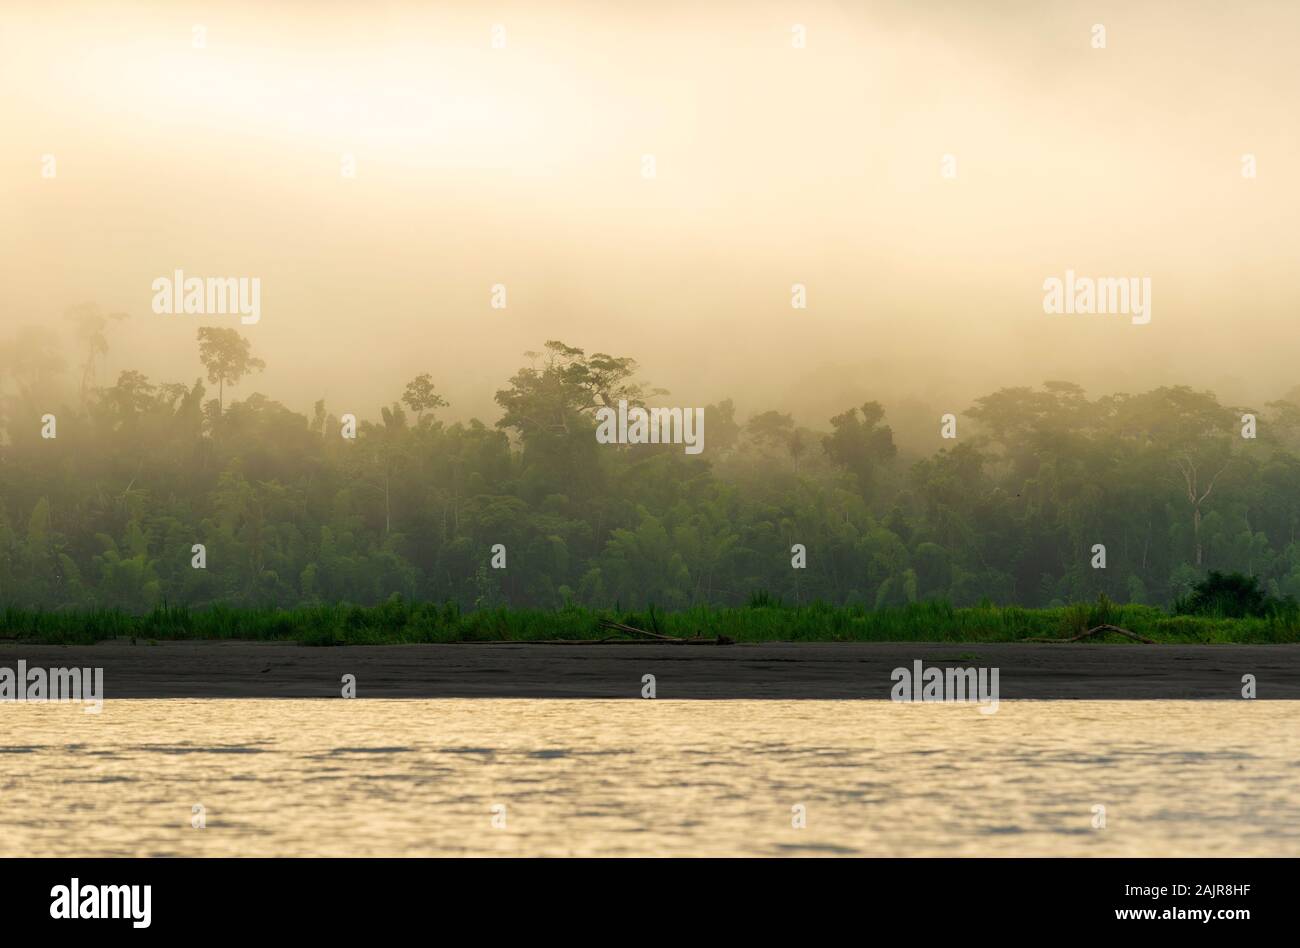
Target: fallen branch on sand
{"x": 633, "y": 630}
{"x": 1098, "y": 630}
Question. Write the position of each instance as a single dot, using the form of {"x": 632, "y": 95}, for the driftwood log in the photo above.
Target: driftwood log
{"x": 633, "y": 630}
{"x": 647, "y": 636}
{"x": 1098, "y": 630}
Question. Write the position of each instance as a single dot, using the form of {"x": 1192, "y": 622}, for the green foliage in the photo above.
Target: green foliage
{"x": 763, "y": 620}
{"x": 1233, "y": 596}
{"x": 102, "y": 521}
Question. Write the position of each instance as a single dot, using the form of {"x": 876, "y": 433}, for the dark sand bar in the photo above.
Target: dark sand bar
{"x": 526, "y": 670}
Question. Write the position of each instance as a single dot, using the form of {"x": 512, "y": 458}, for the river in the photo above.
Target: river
{"x": 291, "y": 777}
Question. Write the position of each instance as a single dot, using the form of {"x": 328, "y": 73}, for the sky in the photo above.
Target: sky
{"x": 775, "y": 164}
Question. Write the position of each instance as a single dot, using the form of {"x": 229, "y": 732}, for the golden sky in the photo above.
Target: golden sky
{"x": 775, "y": 165}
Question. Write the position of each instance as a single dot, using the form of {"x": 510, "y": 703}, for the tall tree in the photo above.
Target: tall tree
{"x": 228, "y": 357}
{"x": 91, "y": 331}
{"x": 420, "y": 396}
{"x": 861, "y": 444}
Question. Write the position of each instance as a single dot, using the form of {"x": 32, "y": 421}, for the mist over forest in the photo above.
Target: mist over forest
{"x": 522, "y": 166}
{"x": 105, "y": 507}
{"x": 914, "y": 175}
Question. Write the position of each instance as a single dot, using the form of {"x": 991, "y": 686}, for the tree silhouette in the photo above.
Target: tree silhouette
{"x": 91, "y": 325}
{"x": 228, "y": 357}
{"x": 421, "y": 397}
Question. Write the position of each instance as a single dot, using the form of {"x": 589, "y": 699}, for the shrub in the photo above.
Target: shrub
{"x": 1232, "y": 596}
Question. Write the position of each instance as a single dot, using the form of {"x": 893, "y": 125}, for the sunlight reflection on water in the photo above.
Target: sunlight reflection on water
{"x": 631, "y": 777}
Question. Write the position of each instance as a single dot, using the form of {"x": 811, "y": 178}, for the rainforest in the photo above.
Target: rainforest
{"x": 107, "y": 514}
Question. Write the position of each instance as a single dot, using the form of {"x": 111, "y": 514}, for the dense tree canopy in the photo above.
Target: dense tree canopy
{"x": 108, "y": 512}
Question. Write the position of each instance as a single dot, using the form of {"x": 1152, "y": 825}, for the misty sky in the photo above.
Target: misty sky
{"x": 775, "y": 166}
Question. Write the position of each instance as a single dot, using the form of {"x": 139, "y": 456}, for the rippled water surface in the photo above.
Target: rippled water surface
{"x": 372, "y": 777}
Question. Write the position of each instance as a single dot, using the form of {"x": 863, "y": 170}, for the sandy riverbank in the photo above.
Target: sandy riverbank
{"x": 210, "y": 669}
